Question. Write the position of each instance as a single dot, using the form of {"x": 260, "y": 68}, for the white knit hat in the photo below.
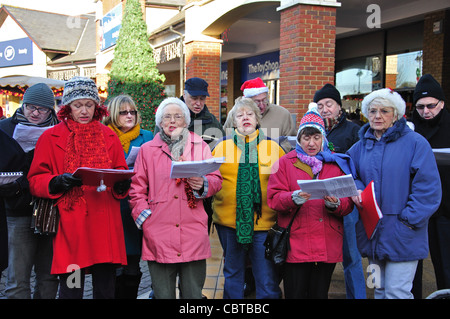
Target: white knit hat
{"x": 80, "y": 87}
{"x": 396, "y": 100}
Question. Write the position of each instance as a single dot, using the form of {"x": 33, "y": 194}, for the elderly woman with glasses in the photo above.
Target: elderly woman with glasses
{"x": 124, "y": 119}
{"x": 241, "y": 214}
{"x": 402, "y": 166}
{"x": 170, "y": 211}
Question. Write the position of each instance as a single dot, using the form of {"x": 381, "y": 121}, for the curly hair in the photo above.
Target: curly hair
{"x": 99, "y": 113}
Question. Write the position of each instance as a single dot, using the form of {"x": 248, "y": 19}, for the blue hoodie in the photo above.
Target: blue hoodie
{"x": 407, "y": 187}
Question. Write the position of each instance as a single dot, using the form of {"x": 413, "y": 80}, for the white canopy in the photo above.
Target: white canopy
{"x": 24, "y": 80}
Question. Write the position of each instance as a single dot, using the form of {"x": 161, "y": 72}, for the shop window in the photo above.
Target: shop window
{"x": 403, "y": 70}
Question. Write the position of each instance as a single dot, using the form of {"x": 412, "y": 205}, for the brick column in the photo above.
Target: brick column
{"x": 203, "y": 61}
{"x": 307, "y": 50}
{"x": 436, "y": 50}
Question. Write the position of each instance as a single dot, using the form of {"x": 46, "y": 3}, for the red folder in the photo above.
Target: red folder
{"x": 370, "y": 212}
{"x": 95, "y": 176}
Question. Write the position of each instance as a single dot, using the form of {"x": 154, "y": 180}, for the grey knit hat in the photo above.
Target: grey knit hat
{"x": 78, "y": 88}
{"x": 40, "y": 95}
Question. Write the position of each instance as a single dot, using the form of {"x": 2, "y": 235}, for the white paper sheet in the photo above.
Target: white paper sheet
{"x": 27, "y": 136}
{"x": 8, "y": 177}
{"x": 340, "y": 187}
{"x": 442, "y": 156}
{"x": 195, "y": 168}
{"x": 132, "y": 155}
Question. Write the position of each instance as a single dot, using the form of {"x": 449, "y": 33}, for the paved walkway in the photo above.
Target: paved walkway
{"x": 213, "y": 288}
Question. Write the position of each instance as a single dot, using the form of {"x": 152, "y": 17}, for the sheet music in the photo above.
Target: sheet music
{"x": 27, "y": 136}
{"x": 195, "y": 168}
{"x": 132, "y": 155}
{"x": 442, "y": 156}
{"x": 8, "y": 177}
{"x": 340, "y": 187}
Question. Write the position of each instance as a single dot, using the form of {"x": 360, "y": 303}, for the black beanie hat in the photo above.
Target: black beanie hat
{"x": 328, "y": 91}
{"x": 39, "y": 94}
{"x": 428, "y": 86}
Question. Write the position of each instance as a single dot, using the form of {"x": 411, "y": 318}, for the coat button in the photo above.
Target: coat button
{"x": 179, "y": 254}
{"x": 320, "y": 220}
{"x": 177, "y": 225}
{"x": 176, "y": 196}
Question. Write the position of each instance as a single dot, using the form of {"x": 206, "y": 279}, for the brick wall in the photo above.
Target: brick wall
{"x": 307, "y": 49}
{"x": 203, "y": 61}
{"x": 436, "y": 50}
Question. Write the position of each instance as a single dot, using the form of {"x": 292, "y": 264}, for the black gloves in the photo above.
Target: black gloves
{"x": 10, "y": 189}
{"x": 63, "y": 183}
{"x": 122, "y": 186}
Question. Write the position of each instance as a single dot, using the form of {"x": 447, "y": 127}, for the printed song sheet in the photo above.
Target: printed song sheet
{"x": 27, "y": 136}
{"x": 442, "y": 156}
{"x": 340, "y": 187}
{"x": 195, "y": 168}
{"x": 9, "y": 177}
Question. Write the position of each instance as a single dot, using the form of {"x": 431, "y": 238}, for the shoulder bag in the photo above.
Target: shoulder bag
{"x": 45, "y": 216}
{"x": 277, "y": 242}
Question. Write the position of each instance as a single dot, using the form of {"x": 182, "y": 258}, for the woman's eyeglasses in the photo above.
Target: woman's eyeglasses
{"x": 127, "y": 112}
{"x": 428, "y": 106}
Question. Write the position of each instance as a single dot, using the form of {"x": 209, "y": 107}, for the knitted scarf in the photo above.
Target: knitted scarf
{"x": 49, "y": 121}
{"x": 316, "y": 162}
{"x": 176, "y": 148}
{"x": 127, "y": 137}
{"x": 248, "y": 188}
{"x": 86, "y": 147}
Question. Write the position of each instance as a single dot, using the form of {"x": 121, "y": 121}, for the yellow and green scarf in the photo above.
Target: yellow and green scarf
{"x": 248, "y": 188}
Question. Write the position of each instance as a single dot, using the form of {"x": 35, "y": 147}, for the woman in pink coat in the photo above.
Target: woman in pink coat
{"x": 317, "y": 231}
{"x": 170, "y": 211}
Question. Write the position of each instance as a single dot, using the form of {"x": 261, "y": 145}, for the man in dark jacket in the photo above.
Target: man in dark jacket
{"x": 26, "y": 249}
{"x": 432, "y": 120}
{"x": 343, "y": 133}
{"x": 12, "y": 160}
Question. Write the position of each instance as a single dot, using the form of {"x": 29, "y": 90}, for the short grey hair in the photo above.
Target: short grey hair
{"x": 245, "y": 102}
{"x": 172, "y": 100}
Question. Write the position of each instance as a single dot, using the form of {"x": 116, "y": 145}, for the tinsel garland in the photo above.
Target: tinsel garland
{"x": 189, "y": 192}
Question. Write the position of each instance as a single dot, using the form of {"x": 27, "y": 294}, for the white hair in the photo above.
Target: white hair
{"x": 384, "y": 96}
{"x": 172, "y": 100}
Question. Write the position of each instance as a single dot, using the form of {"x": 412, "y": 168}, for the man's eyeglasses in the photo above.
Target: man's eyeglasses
{"x": 127, "y": 112}
{"x": 428, "y": 106}
{"x": 41, "y": 110}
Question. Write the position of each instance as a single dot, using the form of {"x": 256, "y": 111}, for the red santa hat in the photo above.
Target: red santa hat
{"x": 254, "y": 87}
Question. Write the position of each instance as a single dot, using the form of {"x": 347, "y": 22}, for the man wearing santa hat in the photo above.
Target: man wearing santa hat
{"x": 275, "y": 119}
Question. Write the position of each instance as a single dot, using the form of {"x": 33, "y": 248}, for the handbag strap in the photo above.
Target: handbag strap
{"x": 292, "y": 220}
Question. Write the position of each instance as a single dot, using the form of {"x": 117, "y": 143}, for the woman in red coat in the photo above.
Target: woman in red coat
{"x": 90, "y": 233}
{"x": 317, "y": 230}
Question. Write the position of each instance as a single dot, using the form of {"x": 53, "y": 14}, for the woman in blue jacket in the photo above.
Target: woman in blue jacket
{"x": 124, "y": 119}
{"x": 407, "y": 188}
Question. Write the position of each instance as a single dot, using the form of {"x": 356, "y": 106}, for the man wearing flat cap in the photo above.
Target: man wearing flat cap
{"x": 203, "y": 122}
{"x": 431, "y": 119}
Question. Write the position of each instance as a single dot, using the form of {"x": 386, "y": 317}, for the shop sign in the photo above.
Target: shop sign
{"x": 167, "y": 52}
{"x": 110, "y": 26}
{"x": 16, "y": 52}
{"x": 265, "y": 66}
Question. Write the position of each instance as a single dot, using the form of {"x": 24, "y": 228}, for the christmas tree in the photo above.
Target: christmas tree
{"x": 133, "y": 70}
